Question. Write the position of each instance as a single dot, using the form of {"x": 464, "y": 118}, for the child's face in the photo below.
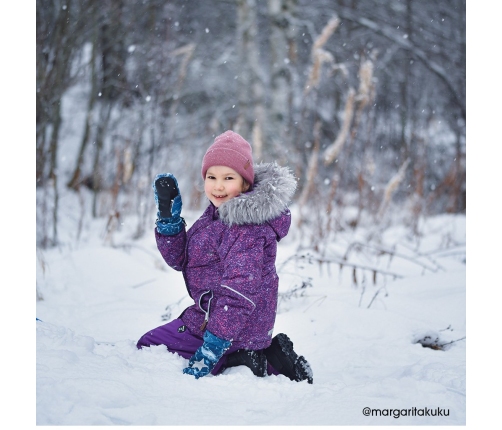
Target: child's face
{"x": 222, "y": 184}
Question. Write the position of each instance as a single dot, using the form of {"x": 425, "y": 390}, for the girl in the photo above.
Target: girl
{"x": 228, "y": 262}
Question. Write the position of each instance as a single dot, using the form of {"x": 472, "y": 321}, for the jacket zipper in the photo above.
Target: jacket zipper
{"x": 206, "y": 317}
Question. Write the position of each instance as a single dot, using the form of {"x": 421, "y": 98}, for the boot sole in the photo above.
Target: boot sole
{"x": 295, "y": 367}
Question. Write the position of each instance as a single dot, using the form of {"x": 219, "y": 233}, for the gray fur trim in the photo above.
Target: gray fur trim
{"x": 272, "y": 192}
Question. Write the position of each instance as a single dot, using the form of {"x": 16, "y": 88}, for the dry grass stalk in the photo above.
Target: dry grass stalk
{"x": 365, "y": 91}
{"x": 114, "y": 214}
{"x": 128, "y": 166}
{"x": 334, "y": 149}
{"x": 392, "y": 186}
{"x": 312, "y": 168}
{"x": 187, "y": 51}
{"x": 448, "y": 187}
{"x": 319, "y": 55}
{"x": 326, "y": 33}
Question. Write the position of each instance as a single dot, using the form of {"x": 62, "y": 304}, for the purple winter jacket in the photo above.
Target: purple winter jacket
{"x": 228, "y": 260}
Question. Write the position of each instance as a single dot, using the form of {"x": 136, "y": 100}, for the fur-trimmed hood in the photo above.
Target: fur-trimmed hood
{"x": 273, "y": 189}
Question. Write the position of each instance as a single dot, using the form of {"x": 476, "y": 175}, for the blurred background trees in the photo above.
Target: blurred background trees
{"x": 363, "y": 99}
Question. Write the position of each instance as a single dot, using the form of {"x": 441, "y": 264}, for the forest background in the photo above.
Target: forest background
{"x": 369, "y": 108}
{"x": 364, "y": 100}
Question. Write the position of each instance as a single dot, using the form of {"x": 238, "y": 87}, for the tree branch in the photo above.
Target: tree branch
{"x": 405, "y": 44}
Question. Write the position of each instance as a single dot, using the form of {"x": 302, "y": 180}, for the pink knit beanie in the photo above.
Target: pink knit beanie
{"x": 231, "y": 150}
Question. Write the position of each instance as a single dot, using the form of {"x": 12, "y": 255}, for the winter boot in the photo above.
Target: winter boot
{"x": 283, "y": 358}
{"x": 255, "y": 360}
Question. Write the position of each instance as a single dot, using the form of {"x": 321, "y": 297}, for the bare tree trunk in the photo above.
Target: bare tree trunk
{"x": 418, "y": 170}
{"x": 58, "y": 35}
{"x": 114, "y": 214}
{"x": 40, "y": 153}
{"x": 76, "y": 177}
{"x": 405, "y": 110}
{"x": 250, "y": 88}
{"x": 459, "y": 204}
{"x": 60, "y": 72}
{"x": 113, "y": 52}
{"x": 104, "y": 118}
{"x": 283, "y": 58}
{"x": 53, "y": 174}
{"x": 142, "y": 193}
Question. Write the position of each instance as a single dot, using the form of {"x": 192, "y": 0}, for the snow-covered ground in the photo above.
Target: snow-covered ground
{"x": 361, "y": 340}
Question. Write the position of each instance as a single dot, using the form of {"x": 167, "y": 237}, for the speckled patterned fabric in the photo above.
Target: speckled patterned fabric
{"x": 228, "y": 260}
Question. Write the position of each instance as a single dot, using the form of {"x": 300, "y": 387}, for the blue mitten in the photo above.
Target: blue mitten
{"x": 209, "y": 353}
{"x": 168, "y": 201}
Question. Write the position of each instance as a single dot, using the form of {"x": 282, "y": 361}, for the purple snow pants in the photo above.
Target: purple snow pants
{"x": 181, "y": 341}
